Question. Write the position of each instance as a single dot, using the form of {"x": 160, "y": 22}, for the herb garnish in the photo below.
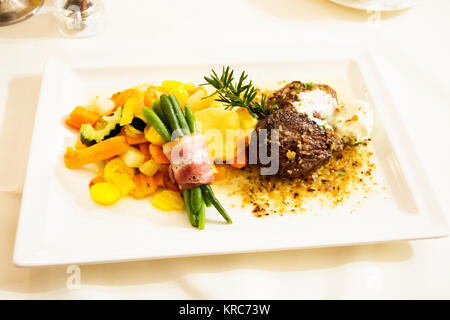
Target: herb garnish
{"x": 308, "y": 85}
{"x": 239, "y": 94}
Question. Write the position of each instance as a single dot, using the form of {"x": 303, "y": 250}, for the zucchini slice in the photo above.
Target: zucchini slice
{"x": 138, "y": 123}
{"x": 106, "y": 128}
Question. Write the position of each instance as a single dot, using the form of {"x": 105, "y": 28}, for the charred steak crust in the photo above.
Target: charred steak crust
{"x": 303, "y": 145}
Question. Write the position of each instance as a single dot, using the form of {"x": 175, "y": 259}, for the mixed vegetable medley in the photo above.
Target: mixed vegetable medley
{"x": 131, "y": 134}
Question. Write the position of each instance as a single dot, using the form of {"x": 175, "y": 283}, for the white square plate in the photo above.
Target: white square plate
{"x": 60, "y": 224}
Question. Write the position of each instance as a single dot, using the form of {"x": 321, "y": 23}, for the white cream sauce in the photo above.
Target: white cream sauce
{"x": 353, "y": 120}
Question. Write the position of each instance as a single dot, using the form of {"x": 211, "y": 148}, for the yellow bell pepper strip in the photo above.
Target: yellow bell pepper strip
{"x": 103, "y": 150}
{"x": 178, "y": 89}
{"x": 128, "y": 111}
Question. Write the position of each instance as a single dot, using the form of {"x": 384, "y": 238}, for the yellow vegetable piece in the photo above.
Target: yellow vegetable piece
{"x": 248, "y": 123}
{"x": 104, "y": 193}
{"x": 189, "y": 86}
{"x": 120, "y": 175}
{"x": 216, "y": 124}
{"x": 153, "y": 136}
{"x": 117, "y": 165}
{"x": 168, "y": 200}
{"x": 198, "y": 100}
{"x": 128, "y": 111}
{"x": 149, "y": 167}
{"x": 120, "y": 98}
{"x": 178, "y": 89}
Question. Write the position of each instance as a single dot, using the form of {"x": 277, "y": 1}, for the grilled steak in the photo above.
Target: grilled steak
{"x": 303, "y": 145}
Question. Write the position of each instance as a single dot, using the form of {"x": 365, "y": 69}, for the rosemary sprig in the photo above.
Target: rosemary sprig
{"x": 238, "y": 94}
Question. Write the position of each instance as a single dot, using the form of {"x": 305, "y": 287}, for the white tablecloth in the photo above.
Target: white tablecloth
{"x": 416, "y": 65}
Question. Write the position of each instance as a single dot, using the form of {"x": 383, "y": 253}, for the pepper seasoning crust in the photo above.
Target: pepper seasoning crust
{"x": 347, "y": 171}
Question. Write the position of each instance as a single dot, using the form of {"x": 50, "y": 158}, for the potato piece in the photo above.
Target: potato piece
{"x": 198, "y": 102}
{"x": 215, "y": 124}
{"x": 133, "y": 158}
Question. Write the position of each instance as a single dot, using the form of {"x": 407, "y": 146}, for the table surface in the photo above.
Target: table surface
{"x": 415, "y": 63}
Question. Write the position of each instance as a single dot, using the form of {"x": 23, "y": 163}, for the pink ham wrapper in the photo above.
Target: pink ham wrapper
{"x": 189, "y": 162}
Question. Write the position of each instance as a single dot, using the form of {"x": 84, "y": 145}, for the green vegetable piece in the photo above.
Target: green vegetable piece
{"x": 202, "y": 216}
{"x": 110, "y": 127}
{"x": 206, "y": 188}
{"x": 190, "y": 118}
{"x": 156, "y": 122}
{"x": 157, "y": 108}
{"x": 206, "y": 199}
{"x": 187, "y": 201}
{"x": 169, "y": 113}
{"x": 179, "y": 113}
{"x": 196, "y": 199}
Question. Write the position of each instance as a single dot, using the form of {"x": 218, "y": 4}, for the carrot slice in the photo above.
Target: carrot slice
{"x": 157, "y": 154}
{"x": 101, "y": 151}
{"x": 164, "y": 168}
{"x": 159, "y": 178}
{"x": 144, "y": 149}
{"x": 145, "y": 186}
{"x": 80, "y": 116}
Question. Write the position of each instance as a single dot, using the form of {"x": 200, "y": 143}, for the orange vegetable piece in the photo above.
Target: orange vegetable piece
{"x": 145, "y": 186}
{"x": 79, "y": 145}
{"x": 164, "y": 168}
{"x": 144, "y": 149}
{"x": 152, "y": 94}
{"x": 159, "y": 178}
{"x": 97, "y": 179}
{"x": 221, "y": 172}
{"x": 80, "y": 116}
{"x": 157, "y": 154}
{"x": 170, "y": 185}
{"x": 121, "y": 97}
{"x": 140, "y": 138}
{"x": 106, "y": 149}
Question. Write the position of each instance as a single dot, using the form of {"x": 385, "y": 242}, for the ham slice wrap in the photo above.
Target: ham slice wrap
{"x": 189, "y": 162}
